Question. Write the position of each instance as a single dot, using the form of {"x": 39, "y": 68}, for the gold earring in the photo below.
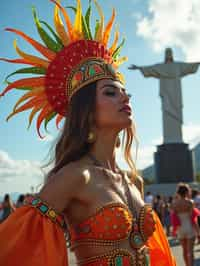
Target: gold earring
{"x": 118, "y": 142}
{"x": 91, "y": 137}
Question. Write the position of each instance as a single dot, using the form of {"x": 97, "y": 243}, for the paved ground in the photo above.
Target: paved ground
{"x": 176, "y": 249}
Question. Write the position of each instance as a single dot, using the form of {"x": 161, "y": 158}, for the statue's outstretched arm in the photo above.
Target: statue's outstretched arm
{"x": 133, "y": 67}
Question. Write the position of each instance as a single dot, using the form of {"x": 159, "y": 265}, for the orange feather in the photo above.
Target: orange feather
{"x": 18, "y": 61}
{"x": 39, "y": 47}
{"x": 43, "y": 114}
{"x": 27, "y": 82}
{"x": 67, "y": 20}
{"x": 58, "y": 120}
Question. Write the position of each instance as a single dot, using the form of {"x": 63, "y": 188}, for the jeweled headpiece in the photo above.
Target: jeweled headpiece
{"x": 72, "y": 58}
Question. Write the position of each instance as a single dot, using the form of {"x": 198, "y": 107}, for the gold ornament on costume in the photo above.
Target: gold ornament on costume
{"x": 91, "y": 138}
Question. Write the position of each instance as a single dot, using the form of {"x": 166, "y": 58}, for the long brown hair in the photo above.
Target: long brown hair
{"x": 72, "y": 143}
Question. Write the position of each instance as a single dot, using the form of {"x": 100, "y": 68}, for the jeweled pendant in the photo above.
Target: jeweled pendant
{"x": 136, "y": 240}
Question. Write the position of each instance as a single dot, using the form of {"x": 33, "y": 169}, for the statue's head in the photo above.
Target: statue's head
{"x": 168, "y": 55}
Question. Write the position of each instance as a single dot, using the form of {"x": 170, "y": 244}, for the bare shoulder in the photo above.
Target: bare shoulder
{"x": 138, "y": 182}
{"x": 65, "y": 185}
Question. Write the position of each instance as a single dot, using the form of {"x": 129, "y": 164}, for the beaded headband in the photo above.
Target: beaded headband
{"x": 72, "y": 58}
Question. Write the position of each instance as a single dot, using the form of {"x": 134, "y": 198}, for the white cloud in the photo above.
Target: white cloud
{"x": 191, "y": 134}
{"x": 18, "y": 175}
{"x": 172, "y": 23}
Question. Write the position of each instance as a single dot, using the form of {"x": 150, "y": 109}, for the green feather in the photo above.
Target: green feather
{"x": 53, "y": 33}
{"x": 48, "y": 119}
{"x": 28, "y": 70}
{"x": 87, "y": 21}
{"x": 86, "y": 30}
{"x": 49, "y": 42}
{"x": 96, "y": 28}
{"x": 116, "y": 53}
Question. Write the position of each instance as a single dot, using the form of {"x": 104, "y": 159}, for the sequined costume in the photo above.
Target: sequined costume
{"x": 35, "y": 235}
{"x": 72, "y": 57}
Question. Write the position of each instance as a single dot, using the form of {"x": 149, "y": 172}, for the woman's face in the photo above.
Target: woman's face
{"x": 113, "y": 109}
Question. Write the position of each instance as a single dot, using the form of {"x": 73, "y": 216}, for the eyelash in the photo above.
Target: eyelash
{"x": 109, "y": 93}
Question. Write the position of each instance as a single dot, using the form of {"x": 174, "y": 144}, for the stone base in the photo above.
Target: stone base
{"x": 173, "y": 163}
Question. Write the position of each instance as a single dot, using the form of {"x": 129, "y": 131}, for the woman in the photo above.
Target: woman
{"x": 7, "y": 207}
{"x": 183, "y": 208}
{"x": 20, "y": 201}
{"x": 107, "y": 220}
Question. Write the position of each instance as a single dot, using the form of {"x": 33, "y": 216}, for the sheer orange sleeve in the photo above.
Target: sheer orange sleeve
{"x": 28, "y": 238}
{"x": 160, "y": 253}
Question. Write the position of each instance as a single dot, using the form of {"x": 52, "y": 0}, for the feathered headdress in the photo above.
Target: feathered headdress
{"x": 71, "y": 57}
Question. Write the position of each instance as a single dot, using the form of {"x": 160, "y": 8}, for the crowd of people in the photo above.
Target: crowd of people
{"x": 180, "y": 216}
{"x": 8, "y": 206}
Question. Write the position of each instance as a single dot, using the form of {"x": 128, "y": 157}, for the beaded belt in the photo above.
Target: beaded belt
{"x": 119, "y": 257}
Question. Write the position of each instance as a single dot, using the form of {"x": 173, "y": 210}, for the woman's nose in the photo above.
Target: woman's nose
{"x": 126, "y": 97}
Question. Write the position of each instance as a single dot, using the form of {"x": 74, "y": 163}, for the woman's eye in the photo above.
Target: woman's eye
{"x": 110, "y": 93}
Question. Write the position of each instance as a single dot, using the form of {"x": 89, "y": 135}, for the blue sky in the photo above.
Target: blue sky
{"x": 149, "y": 27}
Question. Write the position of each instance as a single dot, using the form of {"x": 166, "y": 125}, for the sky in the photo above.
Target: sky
{"x": 149, "y": 26}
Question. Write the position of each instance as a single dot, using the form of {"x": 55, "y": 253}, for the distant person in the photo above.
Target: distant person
{"x": 183, "y": 208}
{"x": 148, "y": 198}
{"x": 8, "y": 207}
{"x": 196, "y": 199}
{"x": 20, "y": 201}
{"x": 158, "y": 206}
{"x": 1, "y": 211}
{"x": 166, "y": 216}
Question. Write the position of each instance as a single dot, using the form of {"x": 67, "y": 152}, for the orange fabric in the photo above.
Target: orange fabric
{"x": 29, "y": 239}
{"x": 110, "y": 222}
{"x": 160, "y": 254}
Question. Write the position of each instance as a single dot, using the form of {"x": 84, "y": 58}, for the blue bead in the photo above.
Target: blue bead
{"x": 35, "y": 201}
{"x": 43, "y": 208}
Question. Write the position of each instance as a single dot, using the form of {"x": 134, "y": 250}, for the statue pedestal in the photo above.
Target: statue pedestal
{"x": 173, "y": 163}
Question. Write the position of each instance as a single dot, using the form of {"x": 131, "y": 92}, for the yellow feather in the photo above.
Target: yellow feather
{"x": 60, "y": 29}
{"x": 99, "y": 36}
{"x": 121, "y": 60}
{"x": 114, "y": 45}
{"x": 78, "y": 30}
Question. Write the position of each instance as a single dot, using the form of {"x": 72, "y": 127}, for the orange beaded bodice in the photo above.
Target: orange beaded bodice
{"x": 110, "y": 222}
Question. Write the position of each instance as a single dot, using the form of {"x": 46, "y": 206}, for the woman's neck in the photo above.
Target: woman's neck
{"x": 104, "y": 150}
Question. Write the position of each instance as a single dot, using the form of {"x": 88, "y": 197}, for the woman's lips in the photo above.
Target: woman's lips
{"x": 126, "y": 109}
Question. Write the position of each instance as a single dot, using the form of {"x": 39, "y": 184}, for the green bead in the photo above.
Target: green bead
{"x": 92, "y": 72}
{"x": 35, "y": 202}
{"x": 147, "y": 260}
{"x": 119, "y": 261}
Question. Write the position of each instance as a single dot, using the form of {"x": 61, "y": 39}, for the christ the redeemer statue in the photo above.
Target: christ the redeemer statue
{"x": 170, "y": 73}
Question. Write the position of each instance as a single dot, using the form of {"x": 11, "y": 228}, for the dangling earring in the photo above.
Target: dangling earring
{"x": 118, "y": 142}
{"x": 91, "y": 137}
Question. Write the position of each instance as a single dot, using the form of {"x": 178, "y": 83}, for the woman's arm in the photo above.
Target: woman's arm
{"x": 63, "y": 186}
